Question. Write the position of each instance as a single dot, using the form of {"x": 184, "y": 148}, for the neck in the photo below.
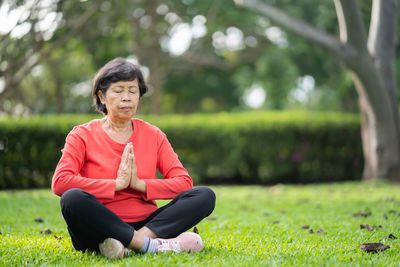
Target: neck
{"x": 117, "y": 126}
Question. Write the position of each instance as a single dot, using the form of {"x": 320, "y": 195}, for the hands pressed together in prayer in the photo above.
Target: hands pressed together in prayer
{"x": 127, "y": 172}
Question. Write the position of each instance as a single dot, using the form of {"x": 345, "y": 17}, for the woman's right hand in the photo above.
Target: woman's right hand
{"x": 125, "y": 168}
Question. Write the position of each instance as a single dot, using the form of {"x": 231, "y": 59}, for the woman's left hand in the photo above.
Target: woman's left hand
{"x": 136, "y": 183}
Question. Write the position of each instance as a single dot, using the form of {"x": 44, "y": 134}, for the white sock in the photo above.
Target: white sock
{"x": 149, "y": 245}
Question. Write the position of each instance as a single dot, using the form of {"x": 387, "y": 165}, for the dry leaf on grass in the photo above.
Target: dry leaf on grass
{"x": 319, "y": 231}
{"x": 373, "y": 247}
{"x": 47, "y": 232}
{"x": 362, "y": 214}
{"x": 366, "y": 226}
{"x": 391, "y": 236}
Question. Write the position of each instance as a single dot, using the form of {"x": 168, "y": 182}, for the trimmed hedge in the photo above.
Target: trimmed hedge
{"x": 250, "y": 147}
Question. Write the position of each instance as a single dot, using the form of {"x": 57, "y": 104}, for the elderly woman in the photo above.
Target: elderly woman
{"x": 106, "y": 177}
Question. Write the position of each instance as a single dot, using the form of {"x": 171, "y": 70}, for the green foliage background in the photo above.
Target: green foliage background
{"x": 248, "y": 147}
{"x": 206, "y": 78}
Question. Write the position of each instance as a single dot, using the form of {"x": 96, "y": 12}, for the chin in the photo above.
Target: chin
{"x": 122, "y": 117}
{"x": 126, "y": 116}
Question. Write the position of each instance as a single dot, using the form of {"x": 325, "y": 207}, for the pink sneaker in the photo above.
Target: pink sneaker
{"x": 113, "y": 248}
{"x": 187, "y": 241}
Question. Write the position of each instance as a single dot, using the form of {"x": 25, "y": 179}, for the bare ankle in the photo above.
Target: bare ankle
{"x": 147, "y": 232}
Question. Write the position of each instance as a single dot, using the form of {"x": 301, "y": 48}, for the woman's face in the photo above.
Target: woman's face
{"x": 121, "y": 99}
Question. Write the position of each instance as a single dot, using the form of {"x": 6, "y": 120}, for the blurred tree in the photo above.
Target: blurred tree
{"x": 28, "y": 39}
{"x": 229, "y": 54}
{"x": 60, "y": 83}
{"x": 257, "y": 52}
{"x": 371, "y": 59}
{"x": 221, "y": 52}
{"x": 145, "y": 32}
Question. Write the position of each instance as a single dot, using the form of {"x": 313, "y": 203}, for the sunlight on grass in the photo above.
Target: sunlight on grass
{"x": 251, "y": 226}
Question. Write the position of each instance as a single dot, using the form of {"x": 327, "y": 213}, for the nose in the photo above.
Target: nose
{"x": 125, "y": 96}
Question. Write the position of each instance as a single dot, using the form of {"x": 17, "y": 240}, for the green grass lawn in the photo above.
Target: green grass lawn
{"x": 251, "y": 226}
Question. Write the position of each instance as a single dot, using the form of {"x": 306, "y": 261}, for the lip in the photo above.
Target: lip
{"x": 126, "y": 108}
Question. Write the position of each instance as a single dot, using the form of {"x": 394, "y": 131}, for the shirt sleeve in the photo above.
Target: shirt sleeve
{"x": 176, "y": 178}
{"x": 66, "y": 175}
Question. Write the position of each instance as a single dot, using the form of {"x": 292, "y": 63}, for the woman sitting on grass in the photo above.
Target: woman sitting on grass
{"x": 106, "y": 177}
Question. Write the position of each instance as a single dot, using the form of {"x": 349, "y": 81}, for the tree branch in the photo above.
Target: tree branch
{"x": 352, "y": 29}
{"x": 299, "y": 27}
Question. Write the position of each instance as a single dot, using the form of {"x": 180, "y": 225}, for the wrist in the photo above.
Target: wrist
{"x": 139, "y": 185}
{"x": 118, "y": 185}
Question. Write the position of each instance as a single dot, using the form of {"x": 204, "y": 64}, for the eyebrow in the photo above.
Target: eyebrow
{"x": 122, "y": 87}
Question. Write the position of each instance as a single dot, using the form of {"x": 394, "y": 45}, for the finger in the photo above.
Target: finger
{"x": 124, "y": 157}
{"x": 133, "y": 156}
{"x": 126, "y": 151}
{"x": 133, "y": 166}
{"x": 123, "y": 167}
{"x": 131, "y": 160}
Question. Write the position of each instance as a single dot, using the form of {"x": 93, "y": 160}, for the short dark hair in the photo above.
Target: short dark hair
{"x": 113, "y": 71}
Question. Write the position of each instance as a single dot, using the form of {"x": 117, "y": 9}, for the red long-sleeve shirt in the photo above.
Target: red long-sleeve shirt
{"x": 91, "y": 159}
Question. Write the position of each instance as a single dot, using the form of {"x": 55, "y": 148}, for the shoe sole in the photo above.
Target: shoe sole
{"x": 200, "y": 241}
{"x": 112, "y": 248}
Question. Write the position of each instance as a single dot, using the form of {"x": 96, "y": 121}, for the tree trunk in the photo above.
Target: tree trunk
{"x": 58, "y": 93}
{"x": 148, "y": 51}
{"x": 372, "y": 68}
{"x": 155, "y": 68}
{"x": 380, "y": 137}
{"x": 59, "y": 96}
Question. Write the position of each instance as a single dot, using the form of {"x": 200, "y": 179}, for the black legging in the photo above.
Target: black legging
{"x": 90, "y": 222}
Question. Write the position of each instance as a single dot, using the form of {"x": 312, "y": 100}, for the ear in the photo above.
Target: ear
{"x": 100, "y": 95}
